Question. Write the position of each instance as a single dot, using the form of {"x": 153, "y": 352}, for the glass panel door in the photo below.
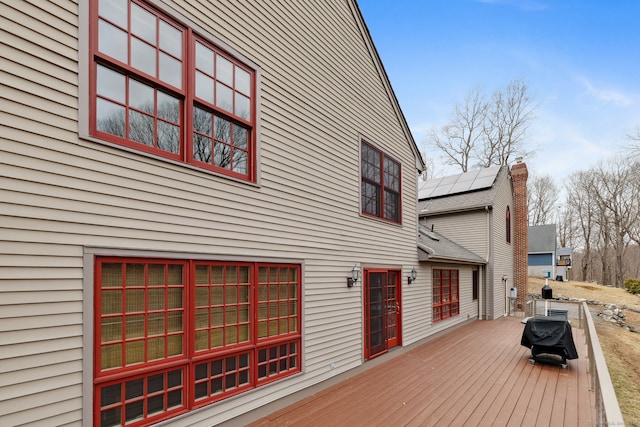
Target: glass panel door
{"x": 376, "y": 314}
{"x": 392, "y": 307}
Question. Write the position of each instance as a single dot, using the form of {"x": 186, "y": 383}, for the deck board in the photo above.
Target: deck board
{"x": 475, "y": 375}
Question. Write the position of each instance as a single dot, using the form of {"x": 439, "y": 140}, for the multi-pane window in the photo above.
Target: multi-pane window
{"x": 158, "y": 88}
{"x": 380, "y": 184}
{"x": 446, "y": 294}
{"x": 174, "y": 335}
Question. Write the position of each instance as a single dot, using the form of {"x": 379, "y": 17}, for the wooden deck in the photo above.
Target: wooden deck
{"x": 475, "y": 375}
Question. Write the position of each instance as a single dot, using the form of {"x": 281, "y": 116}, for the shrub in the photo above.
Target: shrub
{"x": 632, "y": 285}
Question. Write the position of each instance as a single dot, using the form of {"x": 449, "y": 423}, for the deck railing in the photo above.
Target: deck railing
{"x": 607, "y": 408}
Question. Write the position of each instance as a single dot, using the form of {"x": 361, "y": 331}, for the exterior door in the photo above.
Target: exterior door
{"x": 382, "y": 311}
{"x": 393, "y": 309}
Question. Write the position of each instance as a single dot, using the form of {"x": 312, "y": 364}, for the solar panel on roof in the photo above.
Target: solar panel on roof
{"x": 478, "y": 179}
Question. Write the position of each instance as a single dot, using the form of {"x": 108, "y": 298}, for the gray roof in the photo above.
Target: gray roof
{"x": 542, "y": 238}
{"x": 436, "y": 248}
{"x": 564, "y": 251}
{"x": 462, "y": 192}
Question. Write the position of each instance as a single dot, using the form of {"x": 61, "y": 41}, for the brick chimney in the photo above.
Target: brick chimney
{"x": 519, "y": 175}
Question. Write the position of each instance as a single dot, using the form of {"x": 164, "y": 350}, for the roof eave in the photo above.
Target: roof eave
{"x": 428, "y": 255}
{"x": 480, "y": 207}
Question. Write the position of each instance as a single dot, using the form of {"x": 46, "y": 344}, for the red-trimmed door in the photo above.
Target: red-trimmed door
{"x": 382, "y": 311}
{"x": 393, "y": 309}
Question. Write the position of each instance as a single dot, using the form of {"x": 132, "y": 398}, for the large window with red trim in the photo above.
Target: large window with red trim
{"x": 173, "y": 335}
{"x": 380, "y": 184}
{"x": 446, "y": 294}
{"x": 159, "y": 88}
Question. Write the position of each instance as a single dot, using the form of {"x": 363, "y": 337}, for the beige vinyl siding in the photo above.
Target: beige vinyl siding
{"x": 467, "y": 229}
{"x": 468, "y": 307}
{"x": 416, "y": 305}
{"x": 503, "y": 251}
{"x": 59, "y": 194}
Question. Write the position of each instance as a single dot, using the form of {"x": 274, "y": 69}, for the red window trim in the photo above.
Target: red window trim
{"x": 453, "y": 304}
{"x": 383, "y": 187}
{"x": 276, "y": 357}
{"x": 186, "y": 95}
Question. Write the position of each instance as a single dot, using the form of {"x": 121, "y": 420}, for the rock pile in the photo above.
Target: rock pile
{"x": 610, "y": 313}
{"x": 615, "y": 315}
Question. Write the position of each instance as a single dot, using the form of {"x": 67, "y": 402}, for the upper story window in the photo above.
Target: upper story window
{"x": 380, "y": 184}
{"x": 508, "y": 225}
{"x": 159, "y": 88}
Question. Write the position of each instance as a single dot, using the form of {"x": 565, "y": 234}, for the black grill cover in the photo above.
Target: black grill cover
{"x": 549, "y": 335}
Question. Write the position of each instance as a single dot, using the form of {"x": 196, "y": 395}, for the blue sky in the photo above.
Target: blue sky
{"x": 581, "y": 60}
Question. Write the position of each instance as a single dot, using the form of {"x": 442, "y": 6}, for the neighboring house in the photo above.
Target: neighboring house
{"x": 542, "y": 251}
{"x": 477, "y": 211}
{"x": 564, "y": 261}
{"x": 187, "y": 189}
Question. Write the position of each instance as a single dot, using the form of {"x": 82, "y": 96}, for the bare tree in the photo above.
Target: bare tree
{"x": 580, "y": 200}
{"x": 508, "y": 119}
{"x": 633, "y": 147}
{"x": 542, "y": 195}
{"x": 429, "y": 170}
{"x": 485, "y": 133}
{"x": 605, "y": 208}
{"x": 621, "y": 205}
{"x": 567, "y": 227}
{"x": 458, "y": 138}
{"x": 634, "y": 230}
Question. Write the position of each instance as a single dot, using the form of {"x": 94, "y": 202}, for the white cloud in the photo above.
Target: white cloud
{"x": 566, "y": 146}
{"x": 605, "y": 95}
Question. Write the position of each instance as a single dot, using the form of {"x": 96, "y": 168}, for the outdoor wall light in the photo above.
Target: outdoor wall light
{"x": 412, "y": 276}
{"x": 504, "y": 279}
{"x": 355, "y": 276}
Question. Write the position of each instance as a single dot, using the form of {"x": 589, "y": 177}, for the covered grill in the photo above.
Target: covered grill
{"x": 549, "y": 335}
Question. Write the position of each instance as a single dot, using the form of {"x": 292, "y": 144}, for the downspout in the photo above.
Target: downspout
{"x": 484, "y": 305}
